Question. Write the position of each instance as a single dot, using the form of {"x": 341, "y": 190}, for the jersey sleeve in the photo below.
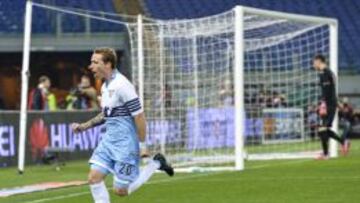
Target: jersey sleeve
{"x": 131, "y": 100}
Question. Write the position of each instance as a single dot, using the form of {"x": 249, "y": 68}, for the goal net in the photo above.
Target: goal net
{"x": 186, "y": 72}
{"x": 216, "y": 90}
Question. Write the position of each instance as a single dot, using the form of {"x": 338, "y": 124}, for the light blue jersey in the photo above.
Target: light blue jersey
{"x": 118, "y": 151}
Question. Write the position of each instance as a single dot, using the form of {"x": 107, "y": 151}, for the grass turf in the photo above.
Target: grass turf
{"x": 336, "y": 180}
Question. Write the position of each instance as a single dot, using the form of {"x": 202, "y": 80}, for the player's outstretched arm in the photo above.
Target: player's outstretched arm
{"x": 140, "y": 123}
{"x": 97, "y": 120}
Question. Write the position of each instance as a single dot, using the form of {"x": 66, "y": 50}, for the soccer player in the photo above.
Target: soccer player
{"x": 119, "y": 150}
{"x": 328, "y": 107}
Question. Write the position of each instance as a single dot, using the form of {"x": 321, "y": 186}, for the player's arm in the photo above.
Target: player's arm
{"x": 140, "y": 123}
{"x": 89, "y": 92}
{"x": 97, "y": 120}
{"x": 136, "y": 110}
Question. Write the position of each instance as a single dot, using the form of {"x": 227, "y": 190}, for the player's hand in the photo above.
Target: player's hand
{"x": 322, "y": 109}
{"x": 77, "y": 127}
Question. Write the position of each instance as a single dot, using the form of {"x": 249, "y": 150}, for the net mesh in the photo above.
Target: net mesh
{"x": 281, "y": 89}
{"x": 189, "y": 87}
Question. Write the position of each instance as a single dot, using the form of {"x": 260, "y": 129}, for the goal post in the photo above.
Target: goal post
{"x": 239, "y": 106}
{"x": 334, "y": 68}
{"x": 24, "y": 86}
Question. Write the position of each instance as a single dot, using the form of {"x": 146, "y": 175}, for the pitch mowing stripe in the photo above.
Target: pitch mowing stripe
{"x": 59, "y": 197}
{"x": 149, "y": 183}
{"x": 166, "y": 181}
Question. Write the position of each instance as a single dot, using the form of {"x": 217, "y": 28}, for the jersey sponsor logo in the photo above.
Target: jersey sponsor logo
{"x": 39, "y": 138}
{"x": 111, "y": 93}
{"x": 62, "y": 137}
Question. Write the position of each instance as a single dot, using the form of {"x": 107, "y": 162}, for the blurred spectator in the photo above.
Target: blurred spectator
{"x": 345, "y": 109}
{"x": 70, "y": 100}
{"x": 278, "y": 100}
{"x": 190, "y": 101}
{"x": 38, "y": 97}
{"x": 2, "y": 105}
{"x": 164, "y": 98}
{"x": 356, "y": 118}
{"x": 226, "y": 94}
{"x": 269, "y": 99}
{"x": 261, "y": 98}
{"x": 167, "y": 96}
{"x": 345, "y": 115}
{"x": 84, "y": 96}
{"x": 312, "y": 120}
{"x": 52, "y": 102}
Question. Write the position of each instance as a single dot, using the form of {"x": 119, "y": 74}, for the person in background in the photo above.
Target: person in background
{"x": 312, "y": 120}
{"x": 345, "y": 115}
{"x": 327, "y": 108}
{"x": 2, "y": 105}
{"x": 226, "y": 94}
{"x": 88, "y": 92}
{"x": 278, "y": 100}
{"x": 52, "y": 102}
{"x": 38, "y": 98}
{"x": 84, "y": 96}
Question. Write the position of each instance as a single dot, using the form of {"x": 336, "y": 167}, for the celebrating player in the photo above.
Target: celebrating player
{"x": 327, "y": 108}
{"x": 118, "y": 152}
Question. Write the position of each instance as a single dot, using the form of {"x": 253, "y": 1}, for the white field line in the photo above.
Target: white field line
{"x": 339, "y": 178}
{"x": 164, "y": 181}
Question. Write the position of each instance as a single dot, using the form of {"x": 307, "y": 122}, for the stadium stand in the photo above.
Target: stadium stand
{"x": 96, "y": 26}
{"x": 347, "y": 12}
{"x": 12, "y": 14}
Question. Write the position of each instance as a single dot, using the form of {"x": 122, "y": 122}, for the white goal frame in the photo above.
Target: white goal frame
{"x": 333, "y": 49}
{"x": 238, "y": 72}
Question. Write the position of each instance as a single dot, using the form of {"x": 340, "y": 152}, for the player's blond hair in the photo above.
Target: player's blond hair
{"x": 108, "y": 55}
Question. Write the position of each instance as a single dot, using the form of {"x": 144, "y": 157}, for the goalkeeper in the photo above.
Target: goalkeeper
{"x": 118, "y": 151}
{"x": 327, "y": 108}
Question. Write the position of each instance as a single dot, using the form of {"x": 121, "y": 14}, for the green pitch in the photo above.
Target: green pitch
{"x": 336, "y": 180}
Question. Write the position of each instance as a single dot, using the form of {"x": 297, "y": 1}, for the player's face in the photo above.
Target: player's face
{"x": 97, "y": 66}
{"x": 47, "y": 84}
{"x": 316, "y": 64}
{"x": 85, "y": 82}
